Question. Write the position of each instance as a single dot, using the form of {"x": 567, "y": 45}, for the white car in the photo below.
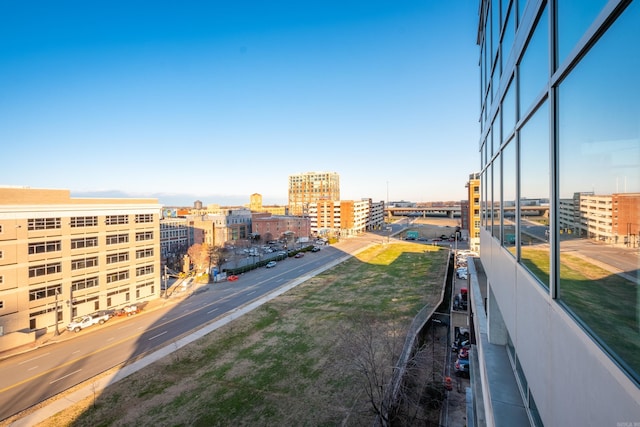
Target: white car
{"x": 271, "y": 264}
{"x": 82, "y": 322}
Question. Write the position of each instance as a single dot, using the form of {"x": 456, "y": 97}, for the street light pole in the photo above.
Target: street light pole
{"x": 57, "y": 332}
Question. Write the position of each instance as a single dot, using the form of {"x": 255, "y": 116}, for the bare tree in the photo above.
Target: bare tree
{"x": 372, "y": 347}
{"x": 199, "y": 255}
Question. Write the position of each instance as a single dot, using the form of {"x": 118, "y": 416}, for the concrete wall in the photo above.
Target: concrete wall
{"x": 571, "y": 379}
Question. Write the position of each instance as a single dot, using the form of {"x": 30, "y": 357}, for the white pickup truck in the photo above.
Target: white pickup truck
{"x": 85, "y": 321}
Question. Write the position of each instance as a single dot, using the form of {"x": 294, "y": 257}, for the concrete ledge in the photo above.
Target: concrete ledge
{"x": 502, "y": 402}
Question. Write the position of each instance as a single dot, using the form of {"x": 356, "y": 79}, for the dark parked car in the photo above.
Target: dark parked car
{"x": 299, "y": 255}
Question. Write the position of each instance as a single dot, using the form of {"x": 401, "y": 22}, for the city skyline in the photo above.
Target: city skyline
{"x": 215, "y": 102}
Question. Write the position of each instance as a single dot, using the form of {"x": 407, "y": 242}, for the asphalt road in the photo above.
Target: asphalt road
{"x": 30, "y": 378}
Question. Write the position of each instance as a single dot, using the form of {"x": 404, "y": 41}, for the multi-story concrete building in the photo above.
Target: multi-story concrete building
{"x": 354, "y": 215}
{"x": 470, "y": 212}
{"x": 174, "y": 236}
{"x": 376, "y": 215}
{"x": 311, "y": 187}
{"x": 613, "y": 218}
{"x": 342, "y": 218}
{"x": 61, "y": 257}
{"x": 555, "y": 323}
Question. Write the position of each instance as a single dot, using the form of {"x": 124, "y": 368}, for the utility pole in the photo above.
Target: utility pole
{"x": 166, "y": 280}
{"x": 57, "y": 332}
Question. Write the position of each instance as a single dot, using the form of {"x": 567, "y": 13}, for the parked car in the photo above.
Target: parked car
{"x": 271, "y": 264}
{"x": 130, "y": 310}
{"x": 315, "y": 249}
{"x": 79, "y": 323}
{"x": 298, "y": 255}
{"x": 232, "y": 278}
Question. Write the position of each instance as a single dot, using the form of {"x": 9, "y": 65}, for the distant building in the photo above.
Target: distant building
{"x": 174, "y": 236}
{"x": 255, "y": 202}
{"x": 312, "y": 187}
{"x": 471, "y": 212}
{"x": 62, "y": 257}
{"x": 375, "y": 221}
{"x": 342, "y": 218}
{"x": 613, "y": 218}
{"x": 275, "y": 227}
{"x": 255, "y": 205}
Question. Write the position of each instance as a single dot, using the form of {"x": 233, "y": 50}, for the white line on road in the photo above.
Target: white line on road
{"x": 32, "y": 368}
{"x": 33, "y": 358}
{"x": 159, "y": 335}
{"x": 211, "y": 311}
{"x": 251, "y": 293}
{"x": 68, "y": 375}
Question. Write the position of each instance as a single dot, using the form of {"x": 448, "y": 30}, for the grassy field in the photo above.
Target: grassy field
{"x": 605, "y": 302}
{"x": 284, "y": 363}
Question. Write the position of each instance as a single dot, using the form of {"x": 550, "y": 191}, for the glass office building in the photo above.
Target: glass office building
{"x": 560, "y": 224}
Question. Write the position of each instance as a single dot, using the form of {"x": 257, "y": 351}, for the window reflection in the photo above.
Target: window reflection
{"x": 534, "y": 66}
{"x": 573, "y": 20}
{"x": 509, "y": 32}
{"x": 534, "y": 194}
{"x": 496, "y": 208}
{"x": 509, "y": 195}
{"x": 599, "y": 184}
{"x": 485, "y": 197}
{"x": 508, "y": 112}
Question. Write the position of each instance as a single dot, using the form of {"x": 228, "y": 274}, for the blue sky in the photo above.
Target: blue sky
{"x": 218, "y": 100}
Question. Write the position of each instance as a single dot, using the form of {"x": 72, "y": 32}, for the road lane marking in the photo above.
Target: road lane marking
{"x": 33, "y": 358}
{"x": 211, "y": 311}
{"x": 156, "y": 336}
{"x": 68, "y": 375}
{"x": 32, "y": 368}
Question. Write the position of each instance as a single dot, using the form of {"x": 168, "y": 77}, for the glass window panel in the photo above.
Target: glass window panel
{"x": 496, "y": 208}
{"x": 492, "y": 148}
{"x": 507, "y": 38}
{"x": 535, "y": 194}
{"x": 534, "y": 66}
{"x": 495, "y": 28}
{"x": 486, "y": 176}
{"x": 509, "y": 112}
{"x": 574, "y": 17}
{"x": 599, "y": 184}
{"x": 521, "y": 5}
{"x": 509, "y": 195}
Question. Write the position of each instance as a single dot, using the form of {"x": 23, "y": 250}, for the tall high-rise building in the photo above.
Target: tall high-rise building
{"x": 556, "y": 322}
{"x": 312, "y": 187}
